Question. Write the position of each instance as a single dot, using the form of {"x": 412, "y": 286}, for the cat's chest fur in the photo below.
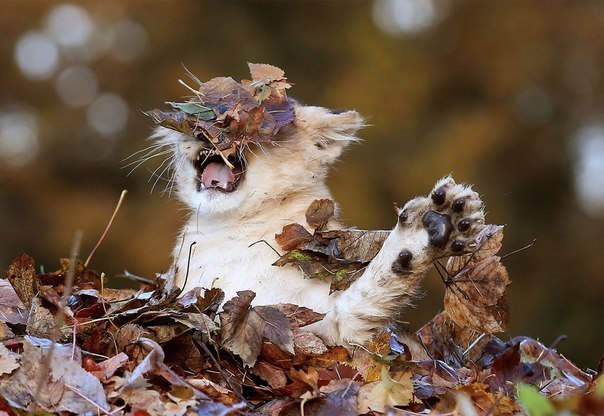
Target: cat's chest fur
{"x": 235, "y": 257}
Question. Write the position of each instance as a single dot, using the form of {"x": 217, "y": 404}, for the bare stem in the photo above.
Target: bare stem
{"x": 98, "y": 244}
{"x": 59, "y": 320}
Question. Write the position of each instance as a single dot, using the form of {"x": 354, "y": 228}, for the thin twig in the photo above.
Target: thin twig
{"x": 79, "y": 393}
{"x": 98, "y": 244}
{"x": 59, "y": 320}
{"x": 520, "y": 249}
{"x": 218, "y": 367}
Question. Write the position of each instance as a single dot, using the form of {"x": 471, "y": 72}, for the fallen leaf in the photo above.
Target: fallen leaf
{"x": 319, "y": 212}
{"x": 41, "y": 322}
{"x": 354, "y": 245}
{"x": 387, "y": 392}
{"x": 68, "y": 386}
{"x": 299, "y": 316}
{"x": 108, "y": 367}
{"x": 12, "y": 310}
{"x": 243, "y": 328}
{"x": 318, "y": 266}
{"x": 339, "y": 397}
{"x": 445, "y": 340}
{"x": 273, "y": 375}
{"x": 475, "y": 295}
{"x": 292, "y": 236}
{"x": 9, "y": 361}
{"x": 22, "y": 276}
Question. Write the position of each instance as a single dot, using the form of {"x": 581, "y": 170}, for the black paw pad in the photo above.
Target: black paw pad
{"x": 439, "y": 227}
{"x": 438, "y": 196}
{"x": 458, "y": 205}
{"x": 463, "y": 225}
{"x": 402, "y": 264}
{"x": 456, "y": 246}
{"x": 403, "y": 217}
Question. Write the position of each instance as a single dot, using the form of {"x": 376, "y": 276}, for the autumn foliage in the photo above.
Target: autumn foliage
{"x": 158, "y": 351}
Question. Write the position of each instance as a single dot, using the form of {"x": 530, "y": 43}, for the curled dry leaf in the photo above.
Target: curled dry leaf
{"x": 475, "y": 296}
{"x": 244, "y": 328}
{"x": 12, "y": 310}
{"x": 319, "y": 212}
{"x": 293, "y": 236}
{"x": 387, "y": 392}
{"x": 444, "y": 340}
{"x": 68, "y": 386}
{"x": 299, "y": 316}
{"x": 9, "y": 360}
{"x": 230, "y": 114}
{"x": 22, "y": 276}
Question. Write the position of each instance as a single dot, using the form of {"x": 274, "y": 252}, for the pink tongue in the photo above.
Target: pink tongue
{"x": 218, "y": 175}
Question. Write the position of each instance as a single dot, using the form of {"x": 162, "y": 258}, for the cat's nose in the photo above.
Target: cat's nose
{"x": 205, "y": 143}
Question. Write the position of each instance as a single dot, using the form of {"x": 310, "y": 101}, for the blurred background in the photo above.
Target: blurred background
{"x": 508, "y": 96}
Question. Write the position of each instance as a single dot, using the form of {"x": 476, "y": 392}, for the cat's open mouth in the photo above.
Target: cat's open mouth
{"x": 214, "y": 173}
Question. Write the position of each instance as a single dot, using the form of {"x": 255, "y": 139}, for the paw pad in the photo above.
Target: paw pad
{"x": 403, "y": 262}
{"x": 439, "y": 227}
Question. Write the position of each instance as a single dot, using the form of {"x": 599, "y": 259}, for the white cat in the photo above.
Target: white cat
{"x": 272, "y": 185}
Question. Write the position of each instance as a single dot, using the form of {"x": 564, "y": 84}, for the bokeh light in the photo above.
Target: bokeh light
{"x": 108, "y": 114}
{"x": 18, "y": 136}
{"x": 77, "y": 86}
{"x": 37, "y": 55}
{"x": 589, "y": 168}
{"x": 128, "y": 40}
{"x": 70, "y": 25}
{"x": 404, "y": 16}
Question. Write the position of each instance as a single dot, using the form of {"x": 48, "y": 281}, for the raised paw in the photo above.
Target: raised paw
{"x": 446, "y": 221}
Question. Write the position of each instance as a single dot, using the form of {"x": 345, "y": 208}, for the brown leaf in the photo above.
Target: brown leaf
{"x": 354, "y": 245}
{"x": 508, "y": 369}
{"x": 475, "y": 298}
{"x": 75, "y": 390}
{"x": 475, "y": 295}
{"x": 488, "y": 243}
{"x": 273, "y": 375}
{"x": 108, "y": 367}
{"x": 565, "y": 377}
{"x": 339, "y": 397}
{"x": 265, "y": 72}
{"x": 41, "y": 322}
{"x": 243, "y": 328}
{"x": 445, "y": 340}
{"x": 299, "y": 316}
{"x": 207, "y": 303}
{"x": 308, "y": 344}
{"x": 480, "y": 399}
{"x": 320, "y": 212}
{"x": 12, "y": 310}
{"x": 292, "y": 236}
{"x": 315, "y": 265}
{"x": 397, "y": 391}
{"x": 22, "y": 276}
{"x": 8, "y": 360}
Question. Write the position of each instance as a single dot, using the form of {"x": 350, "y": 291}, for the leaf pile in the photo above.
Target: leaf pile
{"x": 157, "y": 352}
{"x": 229, "y": 113}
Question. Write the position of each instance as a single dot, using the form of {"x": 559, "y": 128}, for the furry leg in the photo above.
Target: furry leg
{"x": 428, "y": 228}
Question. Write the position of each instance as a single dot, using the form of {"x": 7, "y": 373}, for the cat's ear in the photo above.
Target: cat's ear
{"x": 329, "y": 131}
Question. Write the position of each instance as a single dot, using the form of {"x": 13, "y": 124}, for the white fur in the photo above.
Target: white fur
{"x": 223, "y": 234}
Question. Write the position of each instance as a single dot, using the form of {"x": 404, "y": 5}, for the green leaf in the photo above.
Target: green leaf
{"x": 534, "y": 402}
{"x": 195, "y": 109}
